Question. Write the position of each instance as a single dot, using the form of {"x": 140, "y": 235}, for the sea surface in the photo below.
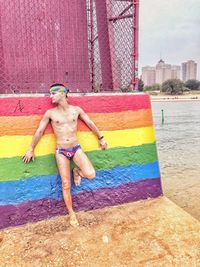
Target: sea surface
{"x": 178, "y": 146}
{"x": 178, "y": 138}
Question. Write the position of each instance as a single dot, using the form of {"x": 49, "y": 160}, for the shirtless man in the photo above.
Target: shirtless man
{"x": 64, "y": 119}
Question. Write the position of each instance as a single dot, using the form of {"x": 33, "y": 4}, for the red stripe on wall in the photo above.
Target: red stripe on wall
{"x": 25, "y": 106}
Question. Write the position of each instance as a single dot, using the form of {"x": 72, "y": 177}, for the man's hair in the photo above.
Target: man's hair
{"x": 57, "y": 84}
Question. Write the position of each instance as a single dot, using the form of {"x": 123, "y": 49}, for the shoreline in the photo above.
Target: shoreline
{"x": 175, "y": 97}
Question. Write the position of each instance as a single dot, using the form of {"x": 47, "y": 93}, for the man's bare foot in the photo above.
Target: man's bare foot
{"x": 77, "y": 177}
{"x": 73, "y": 220}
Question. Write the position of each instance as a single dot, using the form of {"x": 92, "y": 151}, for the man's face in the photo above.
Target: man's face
{"x": 56, "y": 96}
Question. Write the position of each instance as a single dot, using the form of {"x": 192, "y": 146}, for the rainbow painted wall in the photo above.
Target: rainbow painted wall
{"x": 128, "y": 171}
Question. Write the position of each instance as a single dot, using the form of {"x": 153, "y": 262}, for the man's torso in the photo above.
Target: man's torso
{"x": 64, "y": 124}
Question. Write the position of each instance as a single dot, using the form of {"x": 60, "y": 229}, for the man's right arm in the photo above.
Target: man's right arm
{"x": 38, "y": 134}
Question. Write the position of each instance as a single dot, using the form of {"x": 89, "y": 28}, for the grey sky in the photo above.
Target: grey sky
{"x": 170, "y": 29}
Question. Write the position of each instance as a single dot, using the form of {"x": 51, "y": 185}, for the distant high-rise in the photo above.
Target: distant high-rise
{"x": 176, "y": 72}
{"x": 189, "y": 70}
{"x": 163, "y": 71}
{"x": 160, "y": 73}
{"x": 148, "y": 75}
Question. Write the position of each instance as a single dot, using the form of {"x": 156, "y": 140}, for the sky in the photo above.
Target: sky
{"x": 169, "y": 29}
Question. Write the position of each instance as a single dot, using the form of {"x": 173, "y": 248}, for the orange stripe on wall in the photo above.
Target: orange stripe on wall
{"x": 27, "y": 125}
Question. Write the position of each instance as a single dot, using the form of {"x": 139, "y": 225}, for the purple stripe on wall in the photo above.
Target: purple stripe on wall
{"x": 45, "y": 208}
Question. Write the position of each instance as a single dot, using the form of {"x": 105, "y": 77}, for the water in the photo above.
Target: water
{"x": 178, "y": 139}
{"x": 178, "y": 145}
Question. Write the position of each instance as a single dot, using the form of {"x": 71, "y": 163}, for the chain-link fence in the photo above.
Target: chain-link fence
{"x": 88, "y": 45}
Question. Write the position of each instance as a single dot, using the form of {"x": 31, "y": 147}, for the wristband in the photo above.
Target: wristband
{"x": 101, "y": 137}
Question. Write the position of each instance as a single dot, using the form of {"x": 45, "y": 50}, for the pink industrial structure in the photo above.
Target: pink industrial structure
{"x": 89, "y": 45}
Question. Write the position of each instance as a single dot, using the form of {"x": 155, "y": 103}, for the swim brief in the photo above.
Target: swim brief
{"x": 68, "y": 152}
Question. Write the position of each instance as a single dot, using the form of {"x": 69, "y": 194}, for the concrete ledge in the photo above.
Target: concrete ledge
{"x": 145, "y": 233}
{"x": 73, "y": 94}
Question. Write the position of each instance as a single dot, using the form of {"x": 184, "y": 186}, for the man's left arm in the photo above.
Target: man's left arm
{"x": 84, "y": 117}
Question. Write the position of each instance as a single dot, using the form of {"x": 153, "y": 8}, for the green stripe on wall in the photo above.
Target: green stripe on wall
{"x": 15, "y": 169}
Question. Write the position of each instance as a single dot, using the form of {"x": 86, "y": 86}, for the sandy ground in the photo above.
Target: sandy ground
{"x": 184, "y": 190}
{"x": 141, "y": 234}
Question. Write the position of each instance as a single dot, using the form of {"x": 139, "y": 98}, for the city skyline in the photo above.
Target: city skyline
{"x": 163, "y": 71}
{"x": 164, "y": 33}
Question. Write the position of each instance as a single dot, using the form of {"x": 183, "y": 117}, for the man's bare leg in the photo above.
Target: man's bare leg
{"x": 77, "y": 176}
{"x": 85, "y": 168}
{"x": 64, "y": 169}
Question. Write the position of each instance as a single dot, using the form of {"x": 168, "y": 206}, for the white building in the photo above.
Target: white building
{"x": 176, "y": 72}
{"x": 163, "y": 71}
{"x": 189, "y": 70}
{"x": 160, "y": 73}
{"x": 149, "y": 75}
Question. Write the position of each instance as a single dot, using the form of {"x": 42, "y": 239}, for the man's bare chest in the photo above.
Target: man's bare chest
{"x": 64, "y": 118}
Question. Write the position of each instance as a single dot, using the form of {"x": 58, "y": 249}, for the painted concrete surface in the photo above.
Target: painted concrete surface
{"x": 148, "y": 233}
{"x": 127, "y": 171}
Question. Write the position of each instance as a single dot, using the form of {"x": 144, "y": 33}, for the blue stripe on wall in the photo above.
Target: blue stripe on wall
{"x": 38, "y": 187}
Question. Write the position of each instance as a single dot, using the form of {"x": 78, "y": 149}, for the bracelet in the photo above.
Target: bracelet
{"x": 101, "y": 137}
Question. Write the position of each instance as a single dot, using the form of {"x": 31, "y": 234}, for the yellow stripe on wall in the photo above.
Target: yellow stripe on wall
{"x": 12, "y": 146}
